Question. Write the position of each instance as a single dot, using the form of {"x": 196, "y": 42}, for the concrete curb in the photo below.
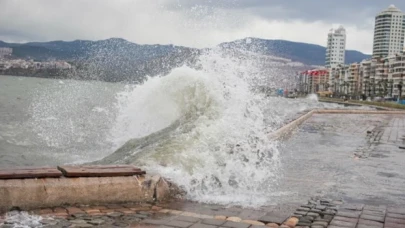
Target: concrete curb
{"x": 27, "y": 194}
{"x": 288, "y": 128}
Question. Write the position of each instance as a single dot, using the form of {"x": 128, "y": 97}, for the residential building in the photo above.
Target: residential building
{"x": 313, "y": 81}
{"x": 5, "y": 51}
{"x": 353, "y": 79}
{"x": 336, "y": 47}
{"x": 389, "y": 32}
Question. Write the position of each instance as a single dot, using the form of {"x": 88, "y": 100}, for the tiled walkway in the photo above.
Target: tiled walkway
{"x": 316, "y": 214}
{"x": 356, "y": 159}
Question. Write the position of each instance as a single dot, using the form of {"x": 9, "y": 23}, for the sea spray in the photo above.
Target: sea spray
{"x": 202, "y": 128}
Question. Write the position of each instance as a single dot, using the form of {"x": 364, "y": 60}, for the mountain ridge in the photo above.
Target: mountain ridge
{"x": 309, "y": 54}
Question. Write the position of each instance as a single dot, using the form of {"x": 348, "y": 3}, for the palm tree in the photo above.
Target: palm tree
{"x": 346, "y": 84}
{"x": 392, "y": 86}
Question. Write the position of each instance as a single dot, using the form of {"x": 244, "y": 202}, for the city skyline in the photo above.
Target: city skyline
{"x": 192, "y": 23}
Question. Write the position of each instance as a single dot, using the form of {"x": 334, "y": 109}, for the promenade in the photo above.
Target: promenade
{"x": 337, "y": 170}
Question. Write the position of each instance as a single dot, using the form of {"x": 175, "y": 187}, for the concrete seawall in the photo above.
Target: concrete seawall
{"x": 288, "y": 128}
{"x": 32, "y": 193}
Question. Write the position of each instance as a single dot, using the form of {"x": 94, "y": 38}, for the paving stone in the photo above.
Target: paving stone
{"x": 155, "y": 221}
{"x": 367, "y": 226}
{"x": 251, "y": 214}
{"x": 114, "y": 206}
{"x": 337, "y": 202}
{"x": 343, "y": 224}
{"x": 370, "y": 223}
{"x": 96, "y": 221}
{"x": 272, "y": 219}
{"x": 81, "y": 225}
{"x": 47, "y": 222}
{"x": 188, "y": 219}
{"x": 372, "y": 218}
{"x": 272, "y": 225}
{"x": 59, "y": 210}
{"x": 215, "y": 222}
{"x": 396, "y": 210}
{"x": 393, "y": 225}
{"x": 140, "y": 216}
{"x": 320, "y": 223}
{"x": 107, "y": 210}
{"x": 355, "y": 207}
{"x": 313, "y": 210}
{"x": 75, "y": 221}
{"x": 378, "y": 213}
{"x": 328, "y": 212}
{"x": 234, "y": 219}
{"x": 199, "y": 225}
{"x": 345, "y": 219}
{"x": 303, "y": 223}
{"x": 220, "y": 217}
{"x": 320, "y": 207}
{"x": 115, "y": 214}
{"x": 306, "y": 219}
{"x": 325, "y": 201}
{"x": 348, "y": 214}
{"x": 181, "y": 224}
{"x": 227, "y": 213}
{"x": 394, "y": 220}
{"x": 313, "y": 215}
{"x": 145, "y": 212}
{"x": 235, "y": 224}
{"x": 398, "y": 216}
{"x": 120, "y": 224}
{"x": 375, "y": 208}
{"x": 306, "y": 209}
{"x": 257, "y": 226}
{"x": 300, "y": 213}
{"x": 291, "y": 222}
{"x": 252, "y": 222}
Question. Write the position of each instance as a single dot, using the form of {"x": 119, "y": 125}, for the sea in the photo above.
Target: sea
{"x": 204, "y": 128}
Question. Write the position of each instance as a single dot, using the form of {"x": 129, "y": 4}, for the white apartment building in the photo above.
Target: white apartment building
{"x": 336, "y": 48}
{"x": 389, "y": 33}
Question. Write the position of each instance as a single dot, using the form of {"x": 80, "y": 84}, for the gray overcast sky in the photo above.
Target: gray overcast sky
{"x": 196, "y": 23}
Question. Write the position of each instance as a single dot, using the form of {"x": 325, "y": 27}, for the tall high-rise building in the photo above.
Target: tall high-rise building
{"x": 389, "y": 32}
{"x": 336, "y": 48}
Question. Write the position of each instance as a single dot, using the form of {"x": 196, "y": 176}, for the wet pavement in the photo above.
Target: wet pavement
{"x": 337, "y": 170}
{"x": 353, "y": 157}
{"x": 316, "y": 213}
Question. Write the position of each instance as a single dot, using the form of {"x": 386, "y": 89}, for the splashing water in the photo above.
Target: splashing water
{"x": 312, "y": 97}
{"x": 17, "y": 219}
{"x": 203, "y": 129}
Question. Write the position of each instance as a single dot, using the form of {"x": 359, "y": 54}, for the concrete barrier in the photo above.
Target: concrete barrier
{"x": 27, "y": 194}
{"x": 288, "y": 128}
{"x": 343, "y": 111}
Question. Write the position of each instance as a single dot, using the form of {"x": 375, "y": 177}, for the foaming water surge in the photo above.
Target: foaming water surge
{"x": 203, "y": 129}
{"x": 312, "y": 97}
{"x": 22, "y": 219}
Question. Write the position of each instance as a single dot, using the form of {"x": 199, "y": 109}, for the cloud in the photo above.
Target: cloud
{"x": 196, "y": 23}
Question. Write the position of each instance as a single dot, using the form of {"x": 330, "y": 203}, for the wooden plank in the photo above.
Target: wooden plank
{"x": 100, "y": 171}
{"x": 30, "y": 172}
